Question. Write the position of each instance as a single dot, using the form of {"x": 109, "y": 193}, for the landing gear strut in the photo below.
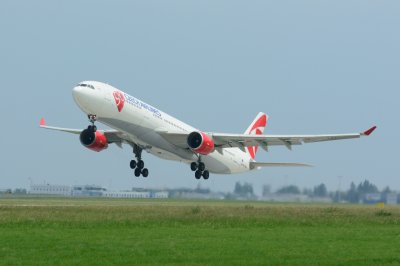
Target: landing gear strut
{"x": 138, "y": 165}
{"x": 200, "y": 169}
{"x": 92, "y": 120}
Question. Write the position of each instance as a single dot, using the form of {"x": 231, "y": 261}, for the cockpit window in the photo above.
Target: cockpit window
{"x": 86, "y": 85}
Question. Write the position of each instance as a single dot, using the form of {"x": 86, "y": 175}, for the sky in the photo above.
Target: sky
{"x": 314, "y": 67}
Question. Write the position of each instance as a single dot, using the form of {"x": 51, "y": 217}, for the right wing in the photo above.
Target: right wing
{"x": 265, "y": 141}
{"x": 223, "y": 140}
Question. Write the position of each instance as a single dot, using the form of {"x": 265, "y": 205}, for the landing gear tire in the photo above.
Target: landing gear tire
{"x": 202, "y": 166}
{"x": 193, "y": 166}
{"x": 137, "y": 172}
{"x": 92, "y": 120}
{"x": 206, "y": 175}
{"x": 140, "y": 164}
{"x": 145, "y": 172}
{"x": 198, "y": 174}
{"x": 200, "y": 169}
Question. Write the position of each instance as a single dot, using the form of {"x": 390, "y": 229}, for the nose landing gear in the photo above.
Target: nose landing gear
{"x": 92, "y": 120}
{"x": 200, "y": 169}
{"x": 138, "y": 165}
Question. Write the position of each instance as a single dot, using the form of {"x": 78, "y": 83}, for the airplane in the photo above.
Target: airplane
{"x": 146, "y": 128}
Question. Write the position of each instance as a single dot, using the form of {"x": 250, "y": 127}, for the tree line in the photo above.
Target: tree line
{"x": 354, "y": 194}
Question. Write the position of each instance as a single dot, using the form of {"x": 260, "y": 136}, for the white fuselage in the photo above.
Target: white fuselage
{"x": 140, "y": 123}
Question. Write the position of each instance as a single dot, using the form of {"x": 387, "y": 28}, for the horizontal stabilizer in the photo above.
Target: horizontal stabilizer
{"x": 254, "y": 165}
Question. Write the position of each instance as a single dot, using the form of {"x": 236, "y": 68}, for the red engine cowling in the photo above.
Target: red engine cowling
{"x": 95, "y": 141}
{"x": 200, "y": 143}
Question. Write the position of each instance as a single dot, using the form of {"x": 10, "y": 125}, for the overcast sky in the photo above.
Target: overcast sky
{"x": 312, "y": 66}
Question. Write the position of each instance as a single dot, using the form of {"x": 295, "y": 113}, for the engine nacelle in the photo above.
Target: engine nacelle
{"x": 200, "y": 143}
{"x": 95, "y": 141}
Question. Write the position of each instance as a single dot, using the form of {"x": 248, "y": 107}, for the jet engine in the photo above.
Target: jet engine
{"x": 95, "y": 141}
{"x": 200, "y": 143}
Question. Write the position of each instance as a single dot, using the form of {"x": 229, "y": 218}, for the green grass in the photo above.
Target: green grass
{"x": 58, "y": 231}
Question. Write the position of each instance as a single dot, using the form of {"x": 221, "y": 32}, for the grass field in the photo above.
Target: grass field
{"x": 55, "y": 231}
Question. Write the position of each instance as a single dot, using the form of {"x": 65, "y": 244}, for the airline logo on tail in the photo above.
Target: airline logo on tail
{"x": 256, "y": 128}
{"x": 119, "y": 100}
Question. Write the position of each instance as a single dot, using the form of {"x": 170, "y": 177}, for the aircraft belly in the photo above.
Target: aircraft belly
{"x": 151, "y": 140}
{"x": 215, "y": 166}
{"x": 222, "y": 164}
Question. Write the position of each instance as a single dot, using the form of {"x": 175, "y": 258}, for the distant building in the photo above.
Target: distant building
{"x": 372, "y": 198}
{"x": 47, "y": 189}
{"x": 136, "y": 194}
{"x": 391, "y": 198}
{"x": 93, "y": 191}
{"x": 127, "y": 194}
{"x": 160, "y": 195}
{"x": 88, "y": 191}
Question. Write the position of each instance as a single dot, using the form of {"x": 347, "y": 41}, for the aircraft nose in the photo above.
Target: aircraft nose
{"x": 86, "y": 97}
{"x": 77, "y": 93}
{"x": 81, "y": 96}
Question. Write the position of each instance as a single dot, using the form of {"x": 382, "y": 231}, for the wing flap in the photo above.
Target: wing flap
{"x": 178, "y": 139}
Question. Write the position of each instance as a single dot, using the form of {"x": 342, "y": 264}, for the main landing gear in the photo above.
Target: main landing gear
{"x": 138, "y": 165}
{"x": 92, "y": 120}
{"x": 200, "y": 169}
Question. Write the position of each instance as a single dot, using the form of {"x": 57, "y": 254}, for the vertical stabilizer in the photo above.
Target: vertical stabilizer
{"x": 256, "y": 128}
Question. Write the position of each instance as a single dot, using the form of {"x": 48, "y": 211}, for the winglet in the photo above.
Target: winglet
{"x": 42, "y": 122}
{"x": 369, "y": 131}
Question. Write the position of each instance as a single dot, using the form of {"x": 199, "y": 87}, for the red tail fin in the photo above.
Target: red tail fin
{"x": 256, "y": 128}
